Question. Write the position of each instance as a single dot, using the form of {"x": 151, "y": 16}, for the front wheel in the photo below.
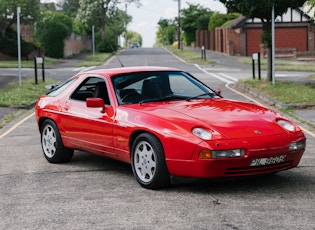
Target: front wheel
{"x": 52, "y": 146}
{"x": 148, "y": 162}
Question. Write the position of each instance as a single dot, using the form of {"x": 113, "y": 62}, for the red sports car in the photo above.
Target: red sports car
{"x": 165, "y": 123}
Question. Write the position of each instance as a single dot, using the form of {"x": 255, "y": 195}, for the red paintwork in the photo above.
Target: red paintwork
{"x": 233, "y": 124}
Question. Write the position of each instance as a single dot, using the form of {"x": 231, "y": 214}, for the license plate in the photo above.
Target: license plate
{"x": 268, "y": 161}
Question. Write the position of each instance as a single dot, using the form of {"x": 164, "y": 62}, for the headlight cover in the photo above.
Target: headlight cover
{"x": 286, "y": 125}
{"x": 202, "y": 133}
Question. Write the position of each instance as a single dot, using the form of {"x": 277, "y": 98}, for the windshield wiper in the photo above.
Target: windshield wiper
{"x": 200, "y": 95}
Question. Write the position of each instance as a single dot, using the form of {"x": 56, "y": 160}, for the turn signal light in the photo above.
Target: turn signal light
{"x": 205, "y": 154}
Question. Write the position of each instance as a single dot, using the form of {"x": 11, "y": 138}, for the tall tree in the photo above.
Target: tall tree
{"x": 29, "y": 13}
{"x": 195, "y": 17}
{"x": 97, "y": 12}
{"x": 70, "y": 7}
{"x": 262, "y": 9}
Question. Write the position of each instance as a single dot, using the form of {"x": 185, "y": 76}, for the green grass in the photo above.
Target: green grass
{"x": 25, "y": 64}
{"x": 14, "y": 96}
{"x": 96, "y": 60}
{"x": 189, "y": 56}
{"x": 284, "y": 91}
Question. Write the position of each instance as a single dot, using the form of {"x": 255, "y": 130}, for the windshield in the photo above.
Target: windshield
{"x": 60, "y": 88}
{"x": 159, "y": 86}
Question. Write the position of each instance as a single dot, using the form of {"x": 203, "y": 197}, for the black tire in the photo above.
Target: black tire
{"x": 148, "y": 162}
{"x": 52, "y": 146}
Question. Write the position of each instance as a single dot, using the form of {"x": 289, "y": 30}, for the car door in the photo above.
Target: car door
{"x": 88, "y": 128}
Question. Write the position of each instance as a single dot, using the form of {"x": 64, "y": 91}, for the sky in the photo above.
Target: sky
{"x": 146, "y": 17}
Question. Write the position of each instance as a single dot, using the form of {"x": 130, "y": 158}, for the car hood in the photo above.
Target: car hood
{"x": 230, "y": 118}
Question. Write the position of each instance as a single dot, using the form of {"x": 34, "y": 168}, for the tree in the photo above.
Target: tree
{"x": 218, "y": 19}
{"x": 70, "y": 7}
{"x": 262, "y": 9}
{"x": 166, "y": 33}
{"x": 195, "y": 17}
{"x": 51, "y": 30}
{"x": 133, "y": 36}
{"x": 96, "y": 12}
{"x": 29, "y": 13}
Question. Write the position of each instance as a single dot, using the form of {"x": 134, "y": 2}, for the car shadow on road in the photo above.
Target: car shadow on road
{"x": 289, "y": 180}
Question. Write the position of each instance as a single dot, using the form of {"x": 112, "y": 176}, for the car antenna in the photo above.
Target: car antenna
{"x": 121, "y": 64}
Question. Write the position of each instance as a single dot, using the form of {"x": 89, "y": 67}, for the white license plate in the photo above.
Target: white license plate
{"x": 268, "y": 161}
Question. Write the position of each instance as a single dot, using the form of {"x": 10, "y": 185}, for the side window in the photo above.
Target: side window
{"x": 91, "y": 87}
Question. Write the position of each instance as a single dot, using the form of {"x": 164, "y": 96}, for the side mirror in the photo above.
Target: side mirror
{"x": 95, "y": 103}
{"x": 218, "y": 91}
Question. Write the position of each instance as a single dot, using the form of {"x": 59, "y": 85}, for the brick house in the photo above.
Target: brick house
{"x": 294, "y": 36}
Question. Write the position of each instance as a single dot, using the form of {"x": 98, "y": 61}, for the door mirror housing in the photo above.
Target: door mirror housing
{"x": 95, "y": 103}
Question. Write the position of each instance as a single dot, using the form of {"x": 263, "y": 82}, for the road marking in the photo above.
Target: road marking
{"x": 83, "y": 69}
{"x": 221, "y": 77}
{"x": 16, "y": 125}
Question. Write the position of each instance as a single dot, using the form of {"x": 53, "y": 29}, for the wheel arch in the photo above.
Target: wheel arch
{"x": 136, "y": 133}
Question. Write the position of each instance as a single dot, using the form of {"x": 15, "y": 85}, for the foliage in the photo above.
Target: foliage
{"x": 51, "y": 31}
{"x": 218, "y": 19}
{"x": 195, "y": 17}
{"x": 133, "y": 36}
{"x": 109, "y": 45}
{"x": 8, "y": 13}
{"x": 70, "y": 7}
{"x": 97, "y": 13}
{"x": 166, "y": 34}
{"x": 8, "y": 45}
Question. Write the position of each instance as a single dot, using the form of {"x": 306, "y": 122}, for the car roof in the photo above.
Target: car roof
{"x": 135, "y": 69}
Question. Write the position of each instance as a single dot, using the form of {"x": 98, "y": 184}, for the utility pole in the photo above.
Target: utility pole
{"x": 18, "y": 11}
{"x": 179, "y": 25}
{"x": 273, "y": 44}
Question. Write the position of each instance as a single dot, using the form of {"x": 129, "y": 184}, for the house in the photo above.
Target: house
{"x": 294, "y": 35}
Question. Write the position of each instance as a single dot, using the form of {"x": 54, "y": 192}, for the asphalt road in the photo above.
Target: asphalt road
{"x": 91, "y": 192}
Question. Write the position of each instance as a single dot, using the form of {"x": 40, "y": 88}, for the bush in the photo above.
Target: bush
{"x": 9, "y": 46}
{"x": 109, "y": 45}
{"x": 51, "y": 31}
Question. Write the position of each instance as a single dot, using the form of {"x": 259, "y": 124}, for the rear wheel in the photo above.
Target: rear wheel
{"x": 148, "y": 162}
{"x": 52, "y": 146}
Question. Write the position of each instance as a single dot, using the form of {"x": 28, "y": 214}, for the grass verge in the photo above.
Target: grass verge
{"x": 189, "y": 56}
{"x": 15, "y": 96}
{"x": 284, "y": 91}
{"x": 96, "y": 60}
{"x": 26, "y": 64}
